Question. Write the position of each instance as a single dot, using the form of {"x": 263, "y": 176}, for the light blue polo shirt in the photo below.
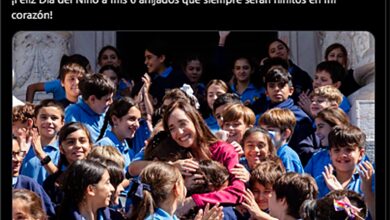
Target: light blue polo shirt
{"x": 81, "y": 112}
{"x": 250, "y": 94}
{"x": 212, "y": 123}
{"x": 290, "y": 159}
{"x": 353, "y": 185}
{"x": 160, "y": 214}
{"x": 32, "y": 167}
{"x": 55, "y": 87}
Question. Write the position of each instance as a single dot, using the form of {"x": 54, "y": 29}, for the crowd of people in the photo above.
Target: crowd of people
{"x": 263, "y": 141}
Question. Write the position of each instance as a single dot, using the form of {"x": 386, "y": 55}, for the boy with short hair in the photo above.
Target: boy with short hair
{"x": 331, "y": 73}
{"x": 280, "y": 123}
{"x": 346, "y": 149}
{"x": 288, "y": 194}
{"x": 279, "y": 88}
{"x": 96, "y": 92}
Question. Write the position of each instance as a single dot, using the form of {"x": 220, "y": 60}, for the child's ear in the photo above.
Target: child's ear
{"x": 286, "y": 134}
{"x": 92, "y": 98}
{"x": 361, "y": 154}
{"x": 291, "y": 90}
{"x": 62, "y": 150}
{"x": 334, "y": 104}
{"x": 337, "y": 84}
{"x": 91, "y": 190}
{"x": 114, "y": 120}
{"x": 162, "y": 58}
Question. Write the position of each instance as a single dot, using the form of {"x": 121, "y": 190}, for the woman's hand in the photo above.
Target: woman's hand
{"x": 186, "y": 166}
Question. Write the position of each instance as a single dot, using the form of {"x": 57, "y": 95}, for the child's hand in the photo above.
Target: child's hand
{"x": 251, "y": 205}
{"x": 222, "y": 134}
{"x": 238, "y": 148}
{"x": 366, "y": 172}
{"x": 305, "y": 102}
{"x": 187, "y": 166}
{"x": 331, "y": 181}
{"x": 240, "y": 172}
{"x": 147, "y": 82}
{"x": 214, "y": 213}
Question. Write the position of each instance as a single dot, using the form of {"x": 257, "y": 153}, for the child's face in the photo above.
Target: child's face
{"x": 153, "y": 63}
{"x": 109, "y": 57}
{"x": 103, "y": 191}
{"x": 212, "y": 94}
{"x": 318, "y": 103}
{"x": 242, "y": 70}
{"x": 236, "y": 130}
{"x": 194, "y": 70}
{"x": 322, "y": 78}
{"x": 75, "y": 146}
{"x": 218, "y": 114}
{"x": 71, "y": 84}
{"x": 255, "y": 148}
{"x": 322, "y": 131}
{"x": 278, "y": 92}
{"x": 127, "y": 125}
{"x": 344, "y": 159}
{"x": 276, "y": 206}
{"x": 115, "y": 196}
{"x": 277, "y": 49}
{"x": 49, "y": 121}
{"x": 17, "y": 157}
{"x": 337, "y": 55}
{"x": 20, "y": 210}
{"x": 262, "y": 194}
{"x": 182, "y": 128}
{"x": 111, "y": 75}
{"x": 101, "y": 105}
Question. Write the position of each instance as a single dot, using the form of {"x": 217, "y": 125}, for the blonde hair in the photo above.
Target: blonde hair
{"x": 105, "y": 153}
{"x": 329, "y": 92}
{"x": 236, "y": 111}
{"x": 161, "y": 179}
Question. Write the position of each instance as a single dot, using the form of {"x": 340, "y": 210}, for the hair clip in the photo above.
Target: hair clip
{"x": 139, "y": 187}
{"x": 344, "y": 204}
{"x": 190, "y": 93}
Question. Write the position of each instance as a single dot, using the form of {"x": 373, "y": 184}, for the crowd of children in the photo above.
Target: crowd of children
{"x": 275, "y": 146}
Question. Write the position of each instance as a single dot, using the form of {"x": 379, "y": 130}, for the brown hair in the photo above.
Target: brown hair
{"x": 32, "y": 203}
{"x": 49, "y": 103}
{"x": 271, "y": 147}
{"x": 23, "y": 112}
{"x": 235, "y": 112}
{"x": 217, "y": 82}
{"x": 215, "y": 175}
{"x": 346, "y": 135}
{"x": 279, "y": 118}
{"x": 267, "y": 172}
{"x": 71, "y": 68}
{"x": 323, "y": 209}
{"x": 161, "y": 179}
{"x": 204, "y": 137}
{"x": 329, "y": 92}
{"x": 295, "y": 189}
{"x": 333, "y": 117}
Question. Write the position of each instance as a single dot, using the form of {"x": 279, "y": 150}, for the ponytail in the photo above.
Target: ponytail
{"x": 104, "y": 127}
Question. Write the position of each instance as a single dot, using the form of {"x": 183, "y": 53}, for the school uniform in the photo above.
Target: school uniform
{"x": 74, "y": 214}
{"x": 345, "y": 105}
{"x": 303, "y": 140}
{"x": 168, "y": 79}
{"x": 81, "y": 112}
{"x": 354, "y": 184}
{"x": 160, "y": 214}
{"x": 212, "y": 123}
{"x": 250, "y": 94}
{"x": 32, "y": 166}
{"x": 141, "y": 135}
{"x": 290, "y": 159}
{"x": 52, "y": 186}
{"x": 25, "y": 182}
{"x": 319, "y": 160}
{"x": 55, "y": 87}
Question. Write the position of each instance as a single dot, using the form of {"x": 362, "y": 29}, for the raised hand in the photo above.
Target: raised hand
{"x": 305, "y": 102}
{"x": 214, "y": 213}
{"x": 366, "y": 172}
{"x": 331, "y": 181}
